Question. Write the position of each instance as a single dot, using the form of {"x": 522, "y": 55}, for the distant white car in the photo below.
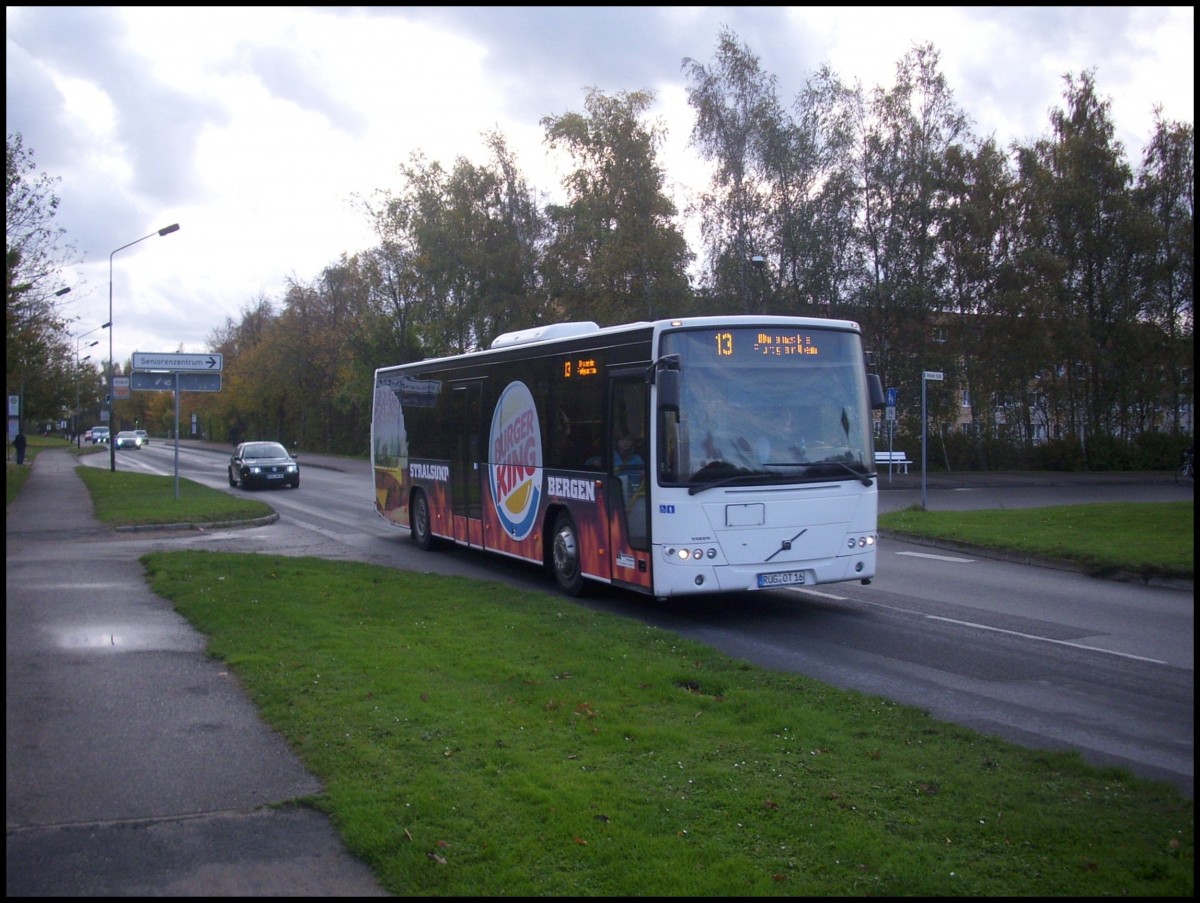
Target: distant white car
{"x": 99, "y": 434}
{"x": 144, "y": 436}
{"x": 128, "y": 439}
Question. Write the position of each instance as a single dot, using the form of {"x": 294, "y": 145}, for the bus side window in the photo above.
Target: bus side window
{"x": 589, "y": 446}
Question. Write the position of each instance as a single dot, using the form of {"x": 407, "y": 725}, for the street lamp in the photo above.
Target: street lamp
{"x": 75, "y": 416}
{"x": 760, "y": 263}
{"x": 78, "y": 364}
{"x": 112, "y": 394}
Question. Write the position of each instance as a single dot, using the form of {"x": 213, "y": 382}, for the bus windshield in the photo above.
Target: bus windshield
{"x": 767, "y": 405}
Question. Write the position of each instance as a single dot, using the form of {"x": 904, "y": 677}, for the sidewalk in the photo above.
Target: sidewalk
{"x": 135, "y": 764}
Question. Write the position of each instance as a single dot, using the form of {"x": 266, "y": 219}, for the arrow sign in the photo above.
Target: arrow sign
{"x": 144, "y": 381}
{"x": 143, "y": 360}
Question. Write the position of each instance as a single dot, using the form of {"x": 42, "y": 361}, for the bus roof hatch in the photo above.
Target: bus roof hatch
{"x": 543, "y": 333}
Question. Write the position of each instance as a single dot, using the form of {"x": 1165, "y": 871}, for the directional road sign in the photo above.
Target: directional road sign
{"x": 144, "y": 360}
{"x": 935, "y": 375}
{"x": 144, "y": 381}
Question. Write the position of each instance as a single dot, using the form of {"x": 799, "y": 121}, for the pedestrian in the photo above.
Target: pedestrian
{"x": 19, "y": 445}
{"x": 625, "y": 458}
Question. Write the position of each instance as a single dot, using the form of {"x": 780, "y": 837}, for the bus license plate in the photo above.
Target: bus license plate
{"x": 784, "y": 578}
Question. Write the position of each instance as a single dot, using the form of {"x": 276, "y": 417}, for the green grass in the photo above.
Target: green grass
{"x": 1146, "y": 539}
{"x": 122, "y": 498}
{"x": 475, "y": 742}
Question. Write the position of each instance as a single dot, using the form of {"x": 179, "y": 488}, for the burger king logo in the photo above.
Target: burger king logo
{"x": 515, "y": 473}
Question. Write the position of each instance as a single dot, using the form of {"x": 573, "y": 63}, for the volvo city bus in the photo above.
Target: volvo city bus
{"x": 752, "y": 462}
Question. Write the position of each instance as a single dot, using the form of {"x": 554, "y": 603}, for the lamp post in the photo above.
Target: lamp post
{"x": 75, "y": 416}
{"x": 78, "y": 364}
{"x": 112, "y": 393}
{"x": 760, "y": 264}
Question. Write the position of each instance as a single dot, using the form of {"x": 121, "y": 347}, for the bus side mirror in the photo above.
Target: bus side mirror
{"x": 875, "y": 389}
{"x": 668, "y": 390}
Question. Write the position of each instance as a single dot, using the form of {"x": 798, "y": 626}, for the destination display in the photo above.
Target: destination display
{"x": 767, "y": 344}
{"x": 579, "y": 366}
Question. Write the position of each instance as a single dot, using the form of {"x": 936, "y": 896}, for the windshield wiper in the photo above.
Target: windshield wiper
{"x": 864, "y": 478}
{"x": 695, "y": 488}
{"x": 742, "y": 475}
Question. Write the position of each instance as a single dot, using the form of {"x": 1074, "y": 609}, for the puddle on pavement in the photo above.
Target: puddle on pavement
{"x": 126, "y": 638}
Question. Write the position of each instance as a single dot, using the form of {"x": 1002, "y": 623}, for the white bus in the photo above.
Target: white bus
{"x": 745, "y": 457}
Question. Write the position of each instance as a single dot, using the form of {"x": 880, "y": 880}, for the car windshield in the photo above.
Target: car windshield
{"x": 265, "y": 450}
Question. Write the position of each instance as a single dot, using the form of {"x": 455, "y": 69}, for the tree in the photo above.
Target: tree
{"x": 616, "y": 254}
{"x": 1081, "y": 219}
{"x": 816, "y": 203}
{"x": 39, "y": 356}
{"x": 990, "y": 330}
{"x": 235, "y": 412}
{"x": 912, "y": 127}
{"x": 739, "y": 123}
{"x": 460, "y": 251}
{"x": 1167, "y": 193}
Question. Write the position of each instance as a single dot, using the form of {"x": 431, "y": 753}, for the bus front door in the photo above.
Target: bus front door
{"x": 629, "y": 497}
{"x": 466, "y": 462}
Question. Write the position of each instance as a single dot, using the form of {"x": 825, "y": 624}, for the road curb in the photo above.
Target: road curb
{"x": 222, "y": 525}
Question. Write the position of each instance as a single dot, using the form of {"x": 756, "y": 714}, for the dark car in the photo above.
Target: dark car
{"x": 263, "y": 464}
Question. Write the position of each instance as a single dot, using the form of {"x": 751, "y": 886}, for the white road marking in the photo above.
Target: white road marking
{"x": 1016, "y": 633}
{"x": 1034, "y": 636}
{"x": 937, "y": 557}
{"x": 813, "y": 592}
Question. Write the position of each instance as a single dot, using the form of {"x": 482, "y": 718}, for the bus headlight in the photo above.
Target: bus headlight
{"x": 709, "y": 552}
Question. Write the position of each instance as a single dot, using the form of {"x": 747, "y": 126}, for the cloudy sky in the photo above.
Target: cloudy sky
{"x": 256, "y": 129}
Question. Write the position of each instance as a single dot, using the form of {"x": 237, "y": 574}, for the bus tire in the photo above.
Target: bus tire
{"x": 420, "y": 522}
{"x": 565, "y": 556}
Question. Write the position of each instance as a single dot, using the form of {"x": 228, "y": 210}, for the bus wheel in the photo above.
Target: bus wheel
{"x": 422, "y": 532}
{"x": 567, "y": 570}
